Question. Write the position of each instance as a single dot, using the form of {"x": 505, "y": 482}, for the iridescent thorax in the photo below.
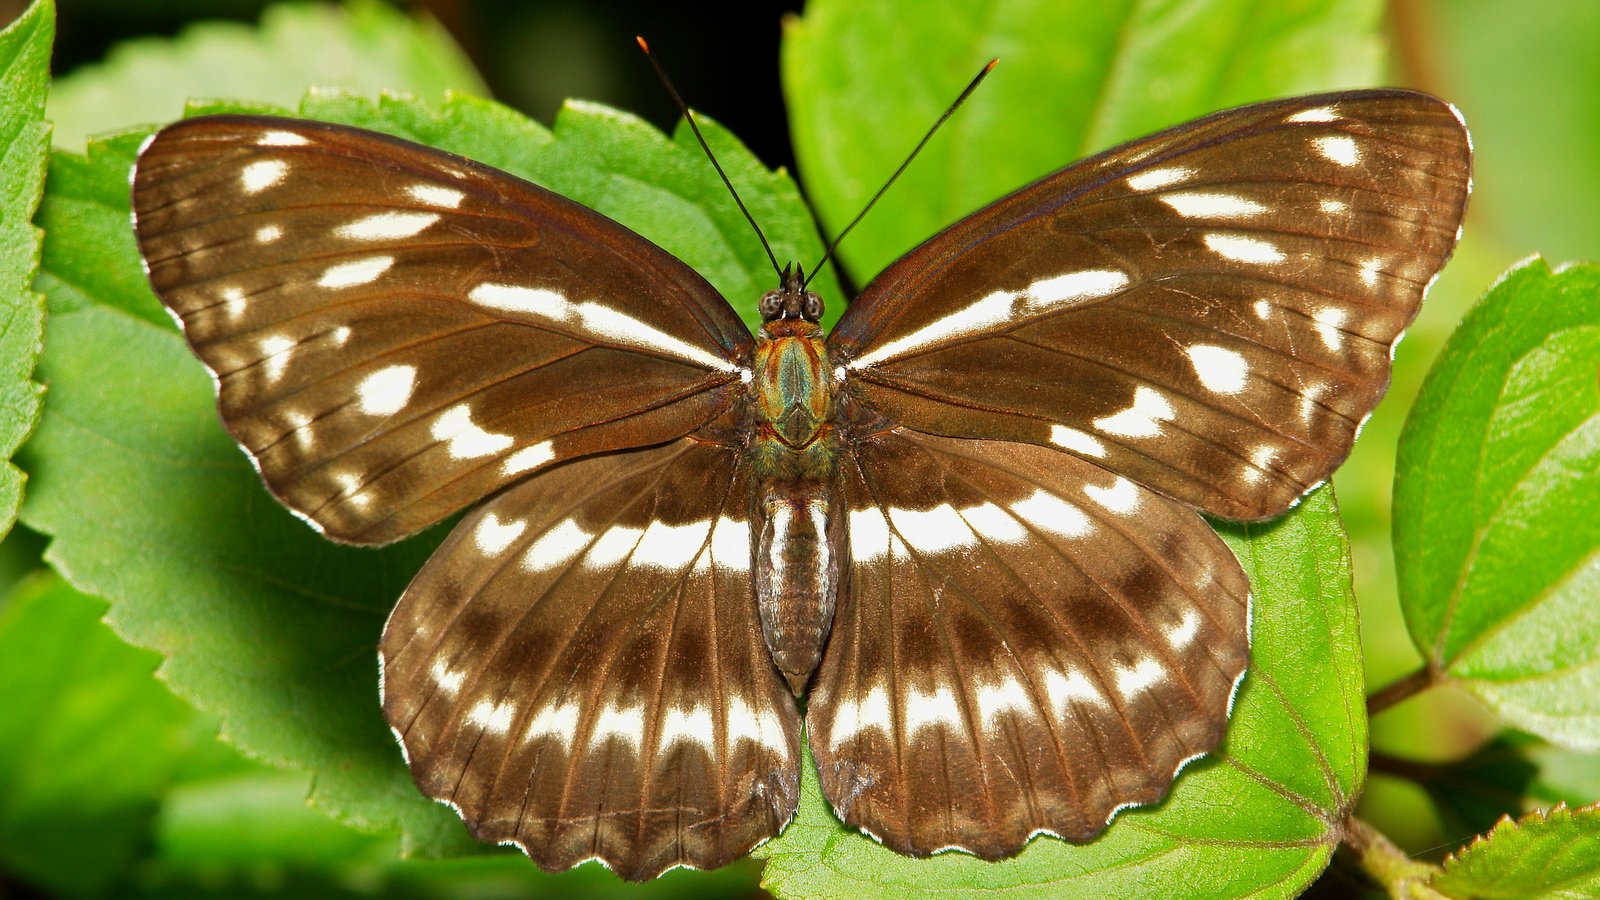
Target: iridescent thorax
{"x": 795, "y": 504}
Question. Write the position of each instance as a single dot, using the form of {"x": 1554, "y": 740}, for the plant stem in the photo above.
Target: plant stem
{"x": 1395, "y": 691}
{"x": 1400, "y": 876}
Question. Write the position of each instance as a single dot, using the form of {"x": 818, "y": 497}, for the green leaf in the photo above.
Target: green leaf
{"x": 150, "y": 504}
{"x": 364, "y": 47}
{"x": 88, "y": 741}
{"x": 1496, "y": 541}
{"x": 1259, "y": 818}
{"x": 863, "y": 82}
{"x": 24, "y": 150}
{"x": 1542, "y": 855}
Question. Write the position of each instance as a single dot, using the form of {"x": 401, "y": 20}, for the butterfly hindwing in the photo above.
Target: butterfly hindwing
{"x": 1209, "y": 311}
{"x": 396, "y": 331}
{"x": 1029, "y": 643}
{"x": 579, "y": 668}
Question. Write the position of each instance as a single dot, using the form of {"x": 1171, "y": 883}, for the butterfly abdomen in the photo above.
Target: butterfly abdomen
{"x": 799, "y": 537}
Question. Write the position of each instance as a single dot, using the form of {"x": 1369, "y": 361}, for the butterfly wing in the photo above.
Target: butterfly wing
{"x": 579, "y": 668}
{"x": 1029, "y": 643}
{"x": 1210, "y": 311}
{"x": 396, "y": 331}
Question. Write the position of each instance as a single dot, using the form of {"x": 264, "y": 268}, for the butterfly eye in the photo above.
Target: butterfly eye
{"x": 771, "y": 305}
{"x": 813, "y": 307}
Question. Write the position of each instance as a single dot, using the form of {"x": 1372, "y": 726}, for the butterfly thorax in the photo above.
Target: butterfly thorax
{"x": 799, "y": 533}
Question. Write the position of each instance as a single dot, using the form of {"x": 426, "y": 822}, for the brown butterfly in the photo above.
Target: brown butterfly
{"x": 968, "y": 519}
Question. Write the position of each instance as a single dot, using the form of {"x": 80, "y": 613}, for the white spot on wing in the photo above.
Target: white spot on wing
{"x": 869, "y": 534}
{"x": 932, "y": 530}
{"x": 1048, "y": 512}
{"x": 855, "y": 715}
{"x": 436, "y": 195}
{"x": 1212, "y": 205}
{"x": 1218, "y": 368}
{"x": 529, "y": 457}
{"x": 601, "y": 323}
{"x": 262, "y": 174}
{"x": 449, "y": 680}
{"x": 730, "y": 544}
{"x": 1076, "y": 441}
{"x": 762, "y": 727}
{"x": 1150, "y": 179}
{"x": 1333, "y": 207}
{"x": 1007, "y": 696}
{"x": 1084, "y": 285}
{"x": 1339, "y": 149}
{"x": 386, "y": 391}
{"x": 995, "y": 524}
{"x": 1243, "y": 249}
{"x": 1263, "y": 309}
{"x": 1369, "y": 271}
{"x": 281, "y": 139}
{"x": 556, "y": 546}
{"x": 1063, "y": 688}
{"x": 616, "y": 721}
{"x": 275, "y": 352}
{"x": 670, "y": 547}
{"x": 350, "y": 488}
{"x": 492, "y": 535}
{"x": 691, "y": 726}
{"x": 987, "y": 313}
{"x": 933, "y": 710}
{"x": 558, "y": 721}
{"x": 266, "y": 234}
{"x": 1181, "y": 634}
{"x": 350, "y": 274}
{"x": 233, "y": 302}
{"x": 612, "y": 546}
{"x": 1260, "y": 460}
{"x": 999, "y": 308}
{"x": 1315, "y": 114}
{"x": 1120, "y": 497}
{"x": 1328, "y": 320}
{"x": 492, "y": 717}
{"x": 386, "y": 226}
{"x": 466, "y": 439}
{"x": 1142, "y": 418}
{"x": 1140, "y": 677}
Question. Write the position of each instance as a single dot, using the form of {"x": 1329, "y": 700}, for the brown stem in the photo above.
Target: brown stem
{"x": 1394, "y": 692}
{"x": 1400, "y": 876}
{"x": 1412, "y": 770}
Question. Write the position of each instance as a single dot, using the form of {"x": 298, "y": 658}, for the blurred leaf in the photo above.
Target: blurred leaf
{"x": 24, "y": 151}
{"x": 1496, "y": 541}
{"x": 1536, "y": 128}
{"x": 1510, "y": 775}
{"x": 362, "y": 46}
{"x": 1259, "y": 818}
{"x": 1542, "y": 855}
{"x": 150, "y": 503}
{"x": 88, "y": 741}
{"x": 865, "y": 80}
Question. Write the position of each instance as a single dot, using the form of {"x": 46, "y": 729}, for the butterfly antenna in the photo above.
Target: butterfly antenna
{"x": 682, "y": 107}
{"x": 950, "y": 111}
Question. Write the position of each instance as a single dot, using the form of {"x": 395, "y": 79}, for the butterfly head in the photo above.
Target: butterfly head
{"x": 791, "y": 300}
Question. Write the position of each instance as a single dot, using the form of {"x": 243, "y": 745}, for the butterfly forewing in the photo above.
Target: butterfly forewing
{"x": 580, "y": 670}
{"x": 1209, "y": 311}
{"x": 1029, "y": 643}
{"x": 396, "y": 331}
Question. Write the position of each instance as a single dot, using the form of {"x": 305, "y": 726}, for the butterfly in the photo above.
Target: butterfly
{"x": 965, "y": 526}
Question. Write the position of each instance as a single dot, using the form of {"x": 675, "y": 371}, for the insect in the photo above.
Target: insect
{"x": 964, "y": 525}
